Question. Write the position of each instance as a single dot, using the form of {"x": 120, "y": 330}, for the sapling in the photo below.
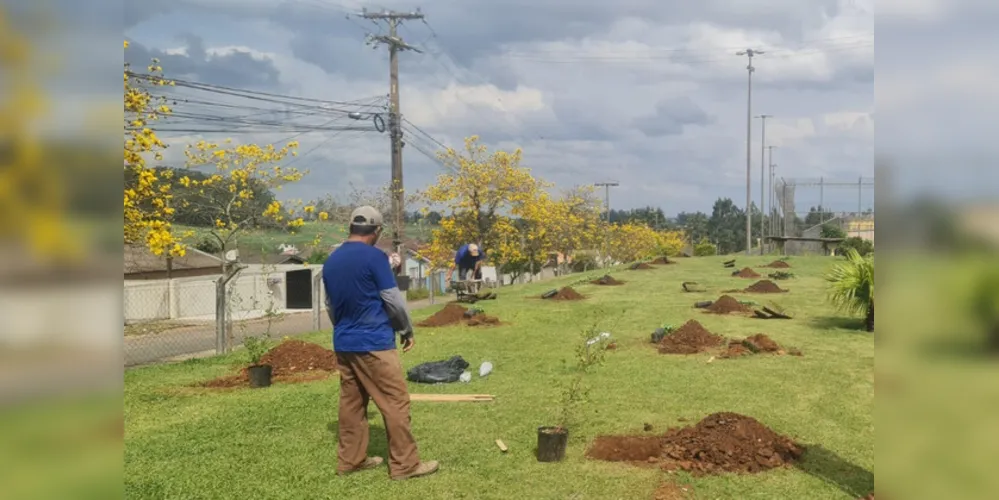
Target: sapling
{"x": 256, "y": 347}
{"x": 588, "y": 354}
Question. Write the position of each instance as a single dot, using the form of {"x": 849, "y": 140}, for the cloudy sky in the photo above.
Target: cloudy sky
{"x": 647, "y": 93}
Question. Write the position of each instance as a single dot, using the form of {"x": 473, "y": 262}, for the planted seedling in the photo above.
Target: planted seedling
{"x": 256, "y": 347}
{"x": 552, "y": 439}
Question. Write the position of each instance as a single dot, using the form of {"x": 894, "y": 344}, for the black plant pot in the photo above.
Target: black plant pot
{"x": 551, "y": 443}
{"x": 549, "y": 294}
{"x": 403, "y": 282}
{"x": 703, "y": 304}
{"x": 260, "y": 375}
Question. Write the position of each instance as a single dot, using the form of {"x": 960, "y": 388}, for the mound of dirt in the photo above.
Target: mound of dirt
{"x": 778, "y": 264}
{"x": 607, "y": 280}
{"x": 291, "y": 361}
{"x": 450, "y": 315}
{"x": 295, "y": 356}
{"x": 641, "y": 266}
{"x": 453, "y": 314}
{"x": 755, "y": 344}
{"x": 727, "y": 442}
{"x": 567, "y": 293}
{"x": 691, "y": 338}
{"x": 746, "y": 273}
{"x": 727, "y": 304}
{"x": 721, "y": 442}
{"x": 764, "y": 286}
{"x": 662, "y": 260}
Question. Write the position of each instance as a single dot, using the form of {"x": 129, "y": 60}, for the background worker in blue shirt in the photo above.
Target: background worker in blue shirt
{"x": 467, "y": 258}
{"x": 367, "y": 309}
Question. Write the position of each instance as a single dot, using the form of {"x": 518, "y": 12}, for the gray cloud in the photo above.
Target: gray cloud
{"x": 236, "y": 68}
{"x": 671, "y": 116}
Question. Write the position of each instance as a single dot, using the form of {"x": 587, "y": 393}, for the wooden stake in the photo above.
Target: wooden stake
{"x": 455, "y": 398}
{"x": 501, "y": 445}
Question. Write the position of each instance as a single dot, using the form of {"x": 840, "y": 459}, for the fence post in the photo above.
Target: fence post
{"x": 220, "y": 315}
{"x": 433, "y": 284}
{"x": 317, "y": 301}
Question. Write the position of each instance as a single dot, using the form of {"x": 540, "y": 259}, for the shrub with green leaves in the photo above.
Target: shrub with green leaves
{"x": 256, "y": 347}
{"x": 705, "y": 248}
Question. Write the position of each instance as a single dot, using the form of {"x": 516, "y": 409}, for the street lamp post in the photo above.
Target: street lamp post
{"x": 607, "y": 185}
{"x": 749, "y": 144}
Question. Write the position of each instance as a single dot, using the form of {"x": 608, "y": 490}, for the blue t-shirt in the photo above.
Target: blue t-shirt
{"x": 465, "y": 260}
{"x": 354, "y": 275}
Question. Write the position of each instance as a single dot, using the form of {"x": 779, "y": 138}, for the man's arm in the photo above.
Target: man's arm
{"x": 392, "y": 299}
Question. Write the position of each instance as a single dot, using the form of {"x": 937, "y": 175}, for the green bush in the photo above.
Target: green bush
{"x": 417, "y": 294}
{"x": 832, "y": 231}
{"x": 208, "y": 245}
{"x": 862, "y": 246}
{"x": 705, "y": 248}
{"x": 256, "y": 347}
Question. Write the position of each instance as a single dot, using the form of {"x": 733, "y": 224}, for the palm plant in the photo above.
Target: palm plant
{"x": 851, "y": 286}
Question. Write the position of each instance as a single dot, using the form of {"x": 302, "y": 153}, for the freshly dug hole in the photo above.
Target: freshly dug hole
{"x": 625, "y": 448}
{"x": 755, "y": 344}
{"x": 764, "y": 286}
{"x": 607, "y": 280}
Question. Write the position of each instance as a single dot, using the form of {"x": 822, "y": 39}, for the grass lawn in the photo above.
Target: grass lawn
{"x": 280, "y": 442}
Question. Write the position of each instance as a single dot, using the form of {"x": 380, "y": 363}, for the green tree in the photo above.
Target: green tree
{"x": 851, "y": 286}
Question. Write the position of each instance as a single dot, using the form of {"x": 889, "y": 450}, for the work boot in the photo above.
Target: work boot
{"x": 424, "y": 469}
{"x": 369, "y": 463}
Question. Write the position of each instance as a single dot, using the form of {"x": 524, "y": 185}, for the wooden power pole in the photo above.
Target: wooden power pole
{"x": 395, "y": 45}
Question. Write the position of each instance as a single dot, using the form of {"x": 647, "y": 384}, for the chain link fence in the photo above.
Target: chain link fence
{"x": 172, "y": 319}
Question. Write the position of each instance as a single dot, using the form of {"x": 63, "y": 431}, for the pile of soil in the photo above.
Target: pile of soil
{"x": 727, "y": 304}
{"x": 764, "y": 286}
{"x": 747, "y": 273}
{"x": 453, "y": 314}
{"x": 691, "y": 338}
{"x": 567, "y": 293}
{"x": 450, "y": 315}
{"x": 755, "y": 344}
{"x": 778, "y": 264}
{"x": 641, "y": 265}
{"x": 721, "y": 442}
{"x": 662, "y": 260}
{"x": 727, "y": 442}
{"x": 607, "y": 280}
{"x": 291, "y": 361}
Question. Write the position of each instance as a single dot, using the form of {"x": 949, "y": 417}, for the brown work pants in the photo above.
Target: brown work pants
{"x": 374, "y": 375}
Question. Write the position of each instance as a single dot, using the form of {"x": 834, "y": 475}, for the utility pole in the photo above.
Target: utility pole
{"x": 395, "y": 45}
{"x": 763, "y": 172}
{"x": 770, "y": 205}
{"x": 749, "y": 145}
{"x": 607, "y": 185}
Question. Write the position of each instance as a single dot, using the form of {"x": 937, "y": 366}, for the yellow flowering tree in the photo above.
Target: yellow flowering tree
{"x": 630, "y": 242}
{"x": 670, "y": 243}
{"x": 572, "y": 222}
{"x": 482, "y": 194}
{"x": 147, "y": 191}
{"x": 238, "y": 174}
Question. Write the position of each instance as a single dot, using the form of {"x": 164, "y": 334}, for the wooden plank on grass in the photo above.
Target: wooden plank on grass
{"x": 501, "y": 445}
{"x": 452, "y": 398}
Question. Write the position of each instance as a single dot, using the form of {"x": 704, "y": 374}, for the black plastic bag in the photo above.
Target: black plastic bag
{"x": 438, "y": 372}
{"x": 703, "y": 304}
{"x": 549, "y": 294}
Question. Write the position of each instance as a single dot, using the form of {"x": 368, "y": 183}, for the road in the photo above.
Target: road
{"x": 190, "y": 340}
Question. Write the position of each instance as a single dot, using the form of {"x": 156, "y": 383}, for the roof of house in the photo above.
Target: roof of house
{"x": 138, "y": 259}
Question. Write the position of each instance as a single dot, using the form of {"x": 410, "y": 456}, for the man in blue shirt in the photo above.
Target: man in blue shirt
{"x": 467, "y": 258}
{"x": 367, "y": 309}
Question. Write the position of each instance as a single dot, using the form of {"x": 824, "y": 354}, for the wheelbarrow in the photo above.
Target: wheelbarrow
{"x": 468, "y": 291}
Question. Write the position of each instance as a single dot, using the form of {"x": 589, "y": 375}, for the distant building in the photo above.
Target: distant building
{"x": 141, "y": 264}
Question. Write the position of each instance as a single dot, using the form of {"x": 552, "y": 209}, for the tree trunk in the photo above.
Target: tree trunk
{"x": 870, "y": 317}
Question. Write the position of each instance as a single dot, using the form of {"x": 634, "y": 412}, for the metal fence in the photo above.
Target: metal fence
{"x": 171, "y": 319}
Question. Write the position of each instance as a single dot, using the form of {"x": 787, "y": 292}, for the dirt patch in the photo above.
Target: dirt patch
{"x": 453, "y": 314}
{"x": 727, "y": 304}
{"x": 735, "y": 349}
{"x": 607, "y": 280}
{"x": 755, "y": 344}
{"x": 727, "y": 442}
{"x": 761, "y": 343}
{"x": 568, "y": 293}
{"x": 626, "y": 448}
{"x": 450, "y": 315}
{"x": 719, "y": 443}
{"x": 292, "y": 361}
{"x": 746, "y": 273}
{"x": 778, "y": 264}
{"x": 641, "y": 266}
{"x": 662, "y": 261}
{"x": 691, "y": 338}
{"x": 670, "y": 491}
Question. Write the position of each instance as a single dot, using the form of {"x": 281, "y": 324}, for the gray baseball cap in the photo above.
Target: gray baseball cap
{"x": 366, "y": 216}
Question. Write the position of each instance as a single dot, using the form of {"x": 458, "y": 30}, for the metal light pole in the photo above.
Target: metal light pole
{"x": 763, "y": 172}
{"x": 770, "y": 204}
{"x": 749, "y": 144}
{"x": 607, "y": 185}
